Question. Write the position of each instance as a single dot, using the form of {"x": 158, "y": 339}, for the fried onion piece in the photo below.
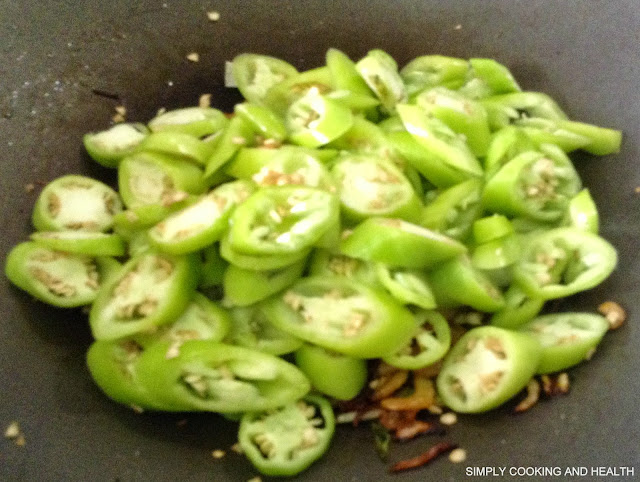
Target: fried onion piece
{"x": 424, "y": 458}
{"x": 423, "y": 396}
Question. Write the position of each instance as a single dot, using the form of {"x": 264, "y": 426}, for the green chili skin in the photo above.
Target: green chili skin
{"x": 195, "y": 121}
{"x": 314, "y": 120}
{"x": 81, "y": 242}
{"x": 564, "y": 261}
{"x": 566, "y": 338}
{"x": 150, "y": 290}
{"x": 243, "y": 287}
{"x": 439, "y": 140}
{"x": 583, "y": 213}
{"x": 456, "y": 282}
{"x": 262, "y": 120}
{"x": 213, "y": 267}
{"x": 258, "y": 262}
{"x": 252, "y": 329}
{"x": 255, "y": 74}
{"x": 110, "y": 146}
{"x": 345, "y": 74}
{"x": 399, "y": 244}
{"x": 333, "y": 374}
{"x": 453, "y": 211}
{"x": 341, "y": 315}
{"x": 202, "y": 319}
{"x": 433, "y": 70}
{"x": 146, "y": 178}
{"x": 460, "y": 114}
{"x": 495, "y": 75}
{"x": 282, "y": 220}
{"x": 113, "y": 367}
{"x": 380, "y": 72}
{"x": 215, "y": 377}
{"x": 201, "y": 223}
{"x": 519, "y": 309}
{"x": 324, "y": 262}
{"x": 538, "y": 185}
{"x": 486, "y": 367}
{"x": 286, "y": 441}
{"x": 371, "y": 186}
{"x": 75, "y": 203}
{"x": 407, "y": 286}
{"x": 57, "y": 278}
{"x": 179, "y": 145}
{"x": 433, "y": 337}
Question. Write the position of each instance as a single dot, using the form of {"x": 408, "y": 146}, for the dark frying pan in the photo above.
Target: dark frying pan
{"x": 56, "y": 58}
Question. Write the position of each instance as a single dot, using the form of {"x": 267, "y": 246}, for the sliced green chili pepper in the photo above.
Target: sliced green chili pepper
{"x": 439, "y": 140}
{"x": 456, "y": 282}
{"x": 496, "y": 254}
{"x": 262, "y": 120}
{"x": 566, "y": 338}
{"x": 460, "y": 114}
{"x": 151, "y": 289}
{"x": 75, "y": 203}
{"x": 491, "y": 227}
{"x": 408, "y": 286}
{"x": 487, "y": 367}
{"x": 286, "y": 441}
{"x": 564, "y": 261}
{"x": 178, "y": 145}
{"x": 399, "y": 244}
{"x": 326, "y": 263}
{"x": 433, "y": 70}
{"x": 430, "y": 343}
{"x": 81, "y": 242}
{"x": 314, "y": 120}
{"x": 282, "y": 220}
{"x": 344, "y": 73}
{"x": 55, "y": 277}
{"x": 252, "y": 329}
{"x": 546, "y": 131}
{"x": 454, "y": 210}
{"x": 333, "y": 374}
{"x": 506, "y": 108}
{"x": 312, "y": 82}
{"x": 153, "y": 179}
{"x": 583, "y": 213}
{"x": 380, "y": 72}
{"x": 341, "y": 315}
{"x": 294, "y": 166}
{"x": 255, "y": 74}
{"x": 113, "y": 367}
{"x": 519, "y": 309}
{"x": 602, "y": 141}
{"x": 237, "y": 133}
{"x": 258, "y": 262}
{"x": 433, "y": 169}
{"x": 495, "y": 75}
{"x": 202, "y": 223}
{"x": 504, "y": 145}
{"x": 372, "y": 186}
{"x": 196, "y": 121}
{"x": 202, "y": 319}
{"x": 215, "y": 377}
{"x": 108, "y": 147}
{"x": 538, "y": 185}
{"x": 244, "y": 287}
{"x": 213, "y": 267}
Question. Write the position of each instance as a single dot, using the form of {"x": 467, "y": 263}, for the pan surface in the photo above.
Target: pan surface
{"x": 54, "y": 56}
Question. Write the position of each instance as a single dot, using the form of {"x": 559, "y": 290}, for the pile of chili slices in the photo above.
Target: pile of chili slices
{"x": 354, "y": 236}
